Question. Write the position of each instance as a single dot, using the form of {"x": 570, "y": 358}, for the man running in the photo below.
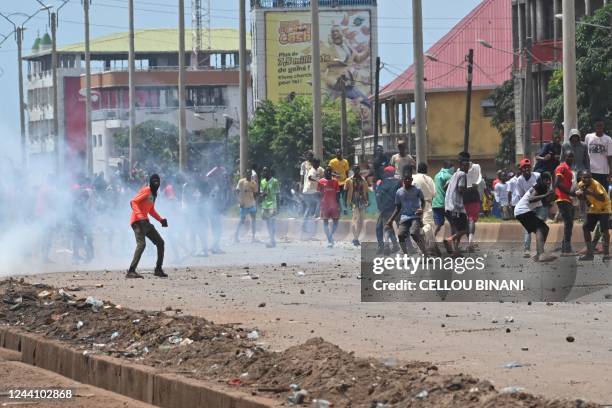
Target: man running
{"x": 269, "y": 188}
{"x": 526, "y": 215}
{"x": 441, "y": 184}
{"x": 385, "y": 201}
{"x": 523, "y": 183}
{"x": 357, "y": 200}
{"x": 330, "y": 209}
{"x": 409, "y": 205}
{"x": 247, "y": 190}
{"x": 453, "y": 203}
{"x": 598, "y": 212}
{"x": 427, "y": 186}
{"x": 142, "y": 205}
{"x": 340, "y": 168}
{"x": 402, "y": 161}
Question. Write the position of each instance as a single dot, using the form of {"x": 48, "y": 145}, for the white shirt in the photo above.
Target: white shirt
{"x": 599, "y": 148}
{"x": 524, "y": 206}
{"x": 427, "y": 186}
{"x": 501, "y": 193}
{"x": 452, "y": 201}
{"x": 304, "y": 168}
{"x": 310, "y": 187}
{"x": 511, "y": 185}
{"x": 400, "y": 162}
{"x": 521, "y": 186}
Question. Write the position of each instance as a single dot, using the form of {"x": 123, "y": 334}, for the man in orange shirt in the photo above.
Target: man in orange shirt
{"x": 143, "y": 205}
{"x": 563, "y": 189}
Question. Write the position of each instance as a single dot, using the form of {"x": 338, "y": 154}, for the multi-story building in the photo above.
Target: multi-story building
{"x": 536, "y": 29}
{"x": 212, "y": 91}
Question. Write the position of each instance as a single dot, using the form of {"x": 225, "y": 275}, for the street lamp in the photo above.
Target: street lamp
{"x": 560, "y": 17}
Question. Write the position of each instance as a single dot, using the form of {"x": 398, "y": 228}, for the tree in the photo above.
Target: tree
{"x": 504, "y": 122}
{"x": 593, "y": 74}
{"x": 280, "y": 133}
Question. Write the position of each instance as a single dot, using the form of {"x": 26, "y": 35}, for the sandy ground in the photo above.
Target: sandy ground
{"x": 16, "y": 375}
{"x": 459, "y": 337}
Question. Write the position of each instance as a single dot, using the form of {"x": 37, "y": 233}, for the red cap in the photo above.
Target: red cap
{"x": 389, "y": 169}
{"x": 525, "y": 162}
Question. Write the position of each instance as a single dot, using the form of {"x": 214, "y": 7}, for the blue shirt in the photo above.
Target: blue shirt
{"x": 410, "y": 200}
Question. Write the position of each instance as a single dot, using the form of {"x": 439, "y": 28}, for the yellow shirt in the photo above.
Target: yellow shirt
{"x": 596, "y": 206}
{"x": 340, "y": 168}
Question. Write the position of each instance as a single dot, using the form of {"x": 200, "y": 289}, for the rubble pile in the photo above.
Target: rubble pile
{"x": 315, "y": 373}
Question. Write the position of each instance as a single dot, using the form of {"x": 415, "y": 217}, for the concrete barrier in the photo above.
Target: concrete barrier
{"x": 485, "y": 231}
{"x": 139, "y": 382}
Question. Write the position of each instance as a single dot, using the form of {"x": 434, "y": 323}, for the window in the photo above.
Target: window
{"x": 99, "y": 140}
{"x": 488, "y": 107}
{"x": 94, "y": 140}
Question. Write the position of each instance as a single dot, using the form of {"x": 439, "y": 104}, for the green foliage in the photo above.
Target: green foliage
{"x": 593, "y": 74}
{"x": 504, "y": 122}
{"x": 280, "y": 133}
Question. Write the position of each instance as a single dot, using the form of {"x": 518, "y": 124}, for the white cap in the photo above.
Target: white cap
{"x": 574, "y": 132}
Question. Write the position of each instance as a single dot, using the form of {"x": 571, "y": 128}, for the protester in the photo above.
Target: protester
{"x": 330, "y": 208}
{"x": 310, "y": 191}
{"x": 526, "y": 180}
{"x": 599, "y": 145}
{"x": 500, "y": 192}
{"x": 525, "y": 214}
{"x": 441, "y": 184}
{"x": 304, "y": 168}
{"x": 379, "y": 162}
{"x": 426, "y": 184}
{"x": 269, "y": 188}
{"x": 598, "y": 212}
{"x": 581, "y": 152}
{"x": 563, "y": 189}
{"x": 142, "y": 205}
{"x": 385, "y": 201}
{"x": 82, "y": 222}
{"x": 215, "y": 190}
{"x": 402, "y": 161}
{"x": 549, "y": 157}
{"x": 357, "y": 199}
{"x": 472, "y": 201}
{"x": 340, "y": 168}
{"x": 409, "y": 205}
{"x": 453, "y": 203}
{"x": 247, "y": 190}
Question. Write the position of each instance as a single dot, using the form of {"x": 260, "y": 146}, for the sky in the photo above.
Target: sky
{"x": 110, "y": 16}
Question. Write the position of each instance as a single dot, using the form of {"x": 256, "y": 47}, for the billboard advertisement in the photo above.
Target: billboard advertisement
{"x": 345, "y": 56}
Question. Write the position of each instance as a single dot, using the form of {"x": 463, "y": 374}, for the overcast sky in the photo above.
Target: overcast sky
{"x": 109, "y": 16}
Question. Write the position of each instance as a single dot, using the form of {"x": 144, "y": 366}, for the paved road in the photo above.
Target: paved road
{"x": 459, "y": 337}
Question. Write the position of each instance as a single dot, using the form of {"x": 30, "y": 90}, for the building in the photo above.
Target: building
{"x": 212, "y": 91}
{"x": 445, "y": 88}
{"x": 536, "y": 31}
{"x": 281, "y": 32}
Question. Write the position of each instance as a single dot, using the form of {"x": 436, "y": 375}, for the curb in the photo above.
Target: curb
{"x": 139, "y": 382}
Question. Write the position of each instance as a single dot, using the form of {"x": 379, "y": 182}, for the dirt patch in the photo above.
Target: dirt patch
{"x": 198, "y": 348}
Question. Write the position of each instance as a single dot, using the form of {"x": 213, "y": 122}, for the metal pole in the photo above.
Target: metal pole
{"x": 468, "y": 101}
{"x": 132, "y": 88}
{"x": 528, "y": 101}
{"x": 419, "y": 83}
{"x": 244, "y": 136}
{"x": 88, "y": 142}
{"x": 343, "y": 123}
{"x": 181, "y": 91}
{"x": 56, "y": 137}
{"x": 21, "y": 103}
{"x": 377, "y": 103}
{"x": 317, "y": 133}
{"x": 540, "y": 104}
{"x": 570, "y": 109}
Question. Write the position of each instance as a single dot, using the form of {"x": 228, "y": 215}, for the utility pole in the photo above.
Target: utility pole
{"x": 181, "y": 91}
{"x": 343, "y": 122}
{"x": 419, "y": 81}
{"x": 376, "y": 103}
{"x": 317, "y": 132}
{"x": 468, "y": 101}
{"x": 56, "y": 137}
{"x": 242, "y": 56}
{"x": 88, "y": 142}
{"x": 570, "y": 110}
{"x": 19, "y": 34}
{"x": 528, "y": 101}
{"x": 132, "y": 88}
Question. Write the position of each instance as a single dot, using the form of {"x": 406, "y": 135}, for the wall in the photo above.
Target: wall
{"x": 446, "y": 123}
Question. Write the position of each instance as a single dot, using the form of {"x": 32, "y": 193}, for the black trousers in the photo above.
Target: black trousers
{"x": 144, "y": 229}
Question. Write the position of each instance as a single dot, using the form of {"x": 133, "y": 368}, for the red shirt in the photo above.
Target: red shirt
{"x": 143, "y": 205}
{"x": 564, "y": 173}
{"x": 329, "y": 189}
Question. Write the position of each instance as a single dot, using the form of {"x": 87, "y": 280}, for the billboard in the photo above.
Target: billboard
{"x": 345, "y": 55}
